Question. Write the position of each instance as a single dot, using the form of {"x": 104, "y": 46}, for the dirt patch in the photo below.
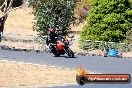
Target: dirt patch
{"x": 23, "y": 45}
{"x": 20, "y": 21}
{"x": 20, "y": 74}
{"x": 97, "y": 52}
{"x": 127, "y": 54}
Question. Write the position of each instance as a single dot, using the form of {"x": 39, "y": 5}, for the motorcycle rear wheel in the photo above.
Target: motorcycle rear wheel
{"x": 56, "y": 54}
{"x": 53, "y": 50}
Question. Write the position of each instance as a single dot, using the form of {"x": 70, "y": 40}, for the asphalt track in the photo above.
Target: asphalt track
{"x": 97, "y": 64}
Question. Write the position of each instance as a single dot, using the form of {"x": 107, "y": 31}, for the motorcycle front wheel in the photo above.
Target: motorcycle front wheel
{"x": 69, "y": 52}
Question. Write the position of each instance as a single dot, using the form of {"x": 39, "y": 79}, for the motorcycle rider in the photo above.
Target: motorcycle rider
{"x": 54, "y": 47}
{"x": 51, "y": 37}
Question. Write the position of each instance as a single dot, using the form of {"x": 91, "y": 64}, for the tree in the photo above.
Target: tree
{"x": 129, "y": 36}
{"x": 15, "y": 3}
{"x": 6, "y": 5}
{"x": 57, "y": 13}
{"x": 108, "y": 20}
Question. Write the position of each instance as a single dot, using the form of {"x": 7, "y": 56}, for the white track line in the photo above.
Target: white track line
{"x": 19, "y": 62}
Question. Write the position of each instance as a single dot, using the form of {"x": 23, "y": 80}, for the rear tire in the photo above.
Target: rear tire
{"x": 53, "y": 50}
{"x": 56, "y": 54}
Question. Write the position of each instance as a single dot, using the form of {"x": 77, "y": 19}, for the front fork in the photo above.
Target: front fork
{"x": 65, "y": 48}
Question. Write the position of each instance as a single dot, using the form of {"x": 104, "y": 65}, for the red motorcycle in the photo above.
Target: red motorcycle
{"x": 61, "y": 47}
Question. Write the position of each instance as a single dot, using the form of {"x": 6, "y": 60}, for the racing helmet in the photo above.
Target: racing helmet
{"x": 52, "y": 30}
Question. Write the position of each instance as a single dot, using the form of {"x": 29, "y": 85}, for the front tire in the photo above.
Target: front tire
{"x": 69, "y": 52}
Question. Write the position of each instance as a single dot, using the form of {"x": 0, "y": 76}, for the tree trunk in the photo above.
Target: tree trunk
{"x": 2, "y": 22}
{"x": 4, "y": 17}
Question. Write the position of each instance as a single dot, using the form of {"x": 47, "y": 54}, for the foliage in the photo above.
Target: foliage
{"x": 128, "y": 37}
{"x": 93, "y": 45}
{"x": 17, "y": 3}
{"x": 57, "y": 13}
{"x": 108, "y": 20}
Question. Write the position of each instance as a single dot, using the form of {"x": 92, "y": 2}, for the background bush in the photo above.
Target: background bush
{"x": 57, "y": 13}
{"x": 108, "y": 20}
